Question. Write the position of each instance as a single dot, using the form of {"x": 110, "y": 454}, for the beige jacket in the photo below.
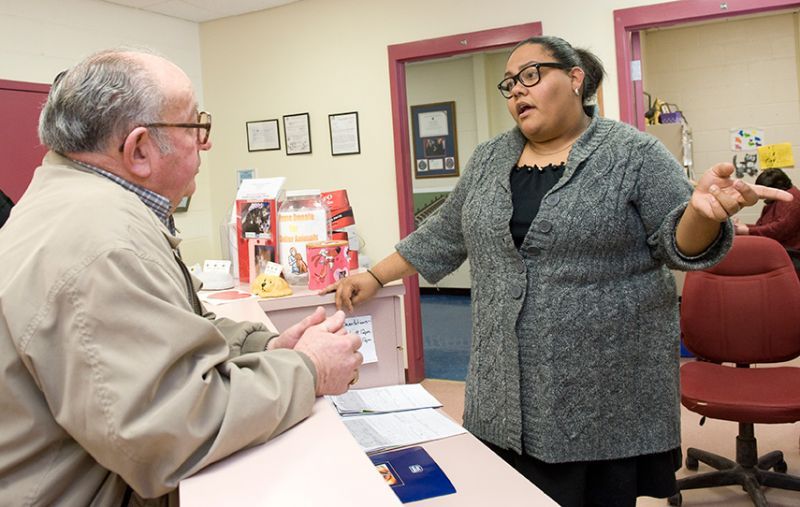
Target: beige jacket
{"x": 107, "y": 376}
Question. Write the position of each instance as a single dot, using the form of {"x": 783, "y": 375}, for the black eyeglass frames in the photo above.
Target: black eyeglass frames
{"x": 203, "y": 126}
{"x": 527, "y": 76}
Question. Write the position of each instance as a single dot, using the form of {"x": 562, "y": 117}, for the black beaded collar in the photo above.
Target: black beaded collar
{"x": 548, "y": 167}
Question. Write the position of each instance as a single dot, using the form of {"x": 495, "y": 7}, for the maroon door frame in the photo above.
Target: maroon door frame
{"x": 629, "y": 22}
{"x": 19, "y": 141}
{"x": 399, "y": 55}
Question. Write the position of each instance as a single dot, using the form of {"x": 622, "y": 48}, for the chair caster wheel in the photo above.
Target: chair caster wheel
{"x": 676, "y": 499}
{"x": 692, "y": 463}
{"x": 780, "y": 467}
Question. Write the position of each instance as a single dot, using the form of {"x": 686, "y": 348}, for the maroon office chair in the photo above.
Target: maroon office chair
{"x": 743, "y": 311}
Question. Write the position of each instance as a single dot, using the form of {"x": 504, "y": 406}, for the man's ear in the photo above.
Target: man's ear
{"x": 138, "y": 152}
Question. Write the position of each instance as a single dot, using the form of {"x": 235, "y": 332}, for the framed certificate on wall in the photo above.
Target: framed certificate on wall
{"x": 434, "y": 140}
{"x": 263, "y": 135}
{"x": 344, "y": 134}
{"x": 298, "y": 133}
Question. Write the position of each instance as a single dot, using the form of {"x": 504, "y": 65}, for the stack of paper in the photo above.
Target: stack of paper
{"x": 384, "y": 399}
{"x": 394, "y": 416}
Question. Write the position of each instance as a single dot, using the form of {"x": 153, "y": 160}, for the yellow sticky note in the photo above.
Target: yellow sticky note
{"x": 773, "y": 156}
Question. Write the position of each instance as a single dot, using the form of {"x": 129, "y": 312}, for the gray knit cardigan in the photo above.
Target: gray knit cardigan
{"x": 574, "y": 352}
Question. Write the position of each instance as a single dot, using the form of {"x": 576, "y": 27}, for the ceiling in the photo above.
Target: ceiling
{"x": 200, "y": 10}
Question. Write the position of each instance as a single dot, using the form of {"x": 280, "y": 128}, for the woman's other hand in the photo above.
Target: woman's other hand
{"x": 353, "y": 290}
{"x": 718, "y": 196}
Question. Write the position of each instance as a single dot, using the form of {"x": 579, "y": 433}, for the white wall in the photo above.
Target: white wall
{"x": 40, "y": 38}
{"x": 730, "y": 74}
{"x": 324, "y": 57}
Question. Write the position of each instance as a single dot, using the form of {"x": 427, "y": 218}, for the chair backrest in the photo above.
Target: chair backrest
{"x": 746, "y": 309}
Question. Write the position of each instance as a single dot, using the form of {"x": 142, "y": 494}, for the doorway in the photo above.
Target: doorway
{"x": 628, "y": 23}
{"x": 399, "y": 56}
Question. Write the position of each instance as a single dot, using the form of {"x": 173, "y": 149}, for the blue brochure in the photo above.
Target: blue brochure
{"x": 412, "y": 474}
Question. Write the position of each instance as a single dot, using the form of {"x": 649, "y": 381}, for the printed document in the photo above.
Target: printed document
{"x": 398, "y": 429}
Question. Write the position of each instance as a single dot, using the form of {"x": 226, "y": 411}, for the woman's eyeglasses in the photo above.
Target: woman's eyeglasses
{"x": 527, "y": 76}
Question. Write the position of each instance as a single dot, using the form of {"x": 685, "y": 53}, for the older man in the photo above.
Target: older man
{"x": 113, "y": 383}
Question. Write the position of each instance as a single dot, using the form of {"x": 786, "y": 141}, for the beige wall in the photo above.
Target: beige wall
{"x": 444, "y": 81}
{"x": 500, "y": 119}
{"x": 730, "y": 74}
{"x": 40, "y": 38}
{"x": 322, "y": 57}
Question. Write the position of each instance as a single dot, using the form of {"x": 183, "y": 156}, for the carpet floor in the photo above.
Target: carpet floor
{"x": 446, "y": 331}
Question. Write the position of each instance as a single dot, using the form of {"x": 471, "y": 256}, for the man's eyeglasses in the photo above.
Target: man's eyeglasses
{"x": 203, "y": 126}
{"x": 527, "y": 76}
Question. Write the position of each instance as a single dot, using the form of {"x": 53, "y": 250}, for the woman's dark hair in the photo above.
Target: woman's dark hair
{"x": 563, "y": 52}
{"x": 774, "y": 178}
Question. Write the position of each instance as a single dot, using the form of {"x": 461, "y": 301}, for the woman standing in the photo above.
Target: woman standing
{"x": 570, "y": 223}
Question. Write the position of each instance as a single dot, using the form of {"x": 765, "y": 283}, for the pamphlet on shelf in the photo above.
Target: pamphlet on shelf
{"x": 412, "y": 474}
{"x": 384, "y": 399}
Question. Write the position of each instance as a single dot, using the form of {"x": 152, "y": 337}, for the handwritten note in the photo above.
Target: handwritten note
{"x": 362, "y": 326}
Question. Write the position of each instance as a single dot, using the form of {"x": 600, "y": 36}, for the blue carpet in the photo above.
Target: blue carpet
{"x": 446, "y": 330}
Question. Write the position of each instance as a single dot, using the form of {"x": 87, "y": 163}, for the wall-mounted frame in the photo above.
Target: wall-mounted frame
{"x": 344, "y": 133}
{"x": 434, "y": 140}
{"x": 263, "y": 135}
{"x": 183, "y": 205}
{"x": 244, "y": 174}
{"x": 297, "y": 133}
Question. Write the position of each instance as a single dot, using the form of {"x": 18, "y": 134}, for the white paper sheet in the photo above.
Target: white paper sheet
{"x": 396, "y": 429}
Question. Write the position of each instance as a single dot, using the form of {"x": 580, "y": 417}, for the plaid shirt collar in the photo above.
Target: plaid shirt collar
{"x": 157, "y": 203}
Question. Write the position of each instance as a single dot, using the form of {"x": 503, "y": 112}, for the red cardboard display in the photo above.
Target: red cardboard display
{"x": 256, "y": 209}
{"x": 256, "y": 223}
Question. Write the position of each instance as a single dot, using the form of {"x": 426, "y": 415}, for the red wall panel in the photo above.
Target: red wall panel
{"x": 20, "y": 150}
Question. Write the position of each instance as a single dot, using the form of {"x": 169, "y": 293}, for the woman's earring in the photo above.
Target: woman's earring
{"x": 576, "y": 91}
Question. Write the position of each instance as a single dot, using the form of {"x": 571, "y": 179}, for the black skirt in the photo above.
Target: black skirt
{"x": 606, "y": 483}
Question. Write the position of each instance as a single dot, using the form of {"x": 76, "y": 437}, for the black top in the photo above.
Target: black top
{"x": 528, "y": 187}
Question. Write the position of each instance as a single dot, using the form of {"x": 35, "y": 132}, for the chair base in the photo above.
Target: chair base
{"x": 729, "y": 472}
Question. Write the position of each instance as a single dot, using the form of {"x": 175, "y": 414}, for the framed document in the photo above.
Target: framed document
{"x": 298, "y": 134}
{"x": 263, "y": 135}
{"x": 344, "y": 133}
{"x": 434, "y": 140}
{"x": 183, "y": 205}
{"x": 244, "y": 174}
